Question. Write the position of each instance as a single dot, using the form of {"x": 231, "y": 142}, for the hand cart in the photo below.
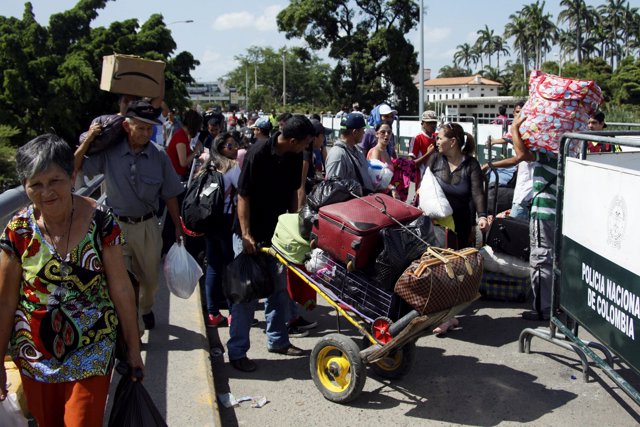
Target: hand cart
{"x": 389, "y": 328}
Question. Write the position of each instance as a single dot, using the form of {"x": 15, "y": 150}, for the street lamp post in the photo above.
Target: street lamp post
{"x": 188, "y": 21}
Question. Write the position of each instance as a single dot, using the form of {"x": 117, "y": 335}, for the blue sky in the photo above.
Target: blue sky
{"x": 224, "y": 29}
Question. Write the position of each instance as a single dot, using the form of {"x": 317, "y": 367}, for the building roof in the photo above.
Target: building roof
{"x": 461, "y": 81}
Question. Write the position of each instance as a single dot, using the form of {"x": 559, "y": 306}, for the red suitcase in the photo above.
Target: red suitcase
{"x": 348, "y": 231}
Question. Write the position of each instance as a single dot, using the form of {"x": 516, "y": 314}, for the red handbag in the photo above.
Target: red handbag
{"x": 556, "y": 105}
{"x": 441, "y": 279}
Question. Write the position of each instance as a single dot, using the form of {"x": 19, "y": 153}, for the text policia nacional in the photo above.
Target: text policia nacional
{"x": 615, "y": 304}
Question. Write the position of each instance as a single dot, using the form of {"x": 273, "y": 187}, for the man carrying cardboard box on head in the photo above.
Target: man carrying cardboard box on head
{"x": 138, "y": 174}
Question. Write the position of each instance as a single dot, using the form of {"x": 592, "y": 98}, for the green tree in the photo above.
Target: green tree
{"x": 375, "y": 62}
{"x": 8, "y": 177}
{"x": 575, "y": 15}
{"x": 486, "y": 42}
{"x": 452, "y": 71}
{"x": 613, "y": 15}
{"x": 464, "y": 55}
{"x": 625, "y": 82}
{"x": 307, "y": 79}
{"x": 541, "y": 30}
{"x": 500, "y": 47}
{"x": 49, "y": 75}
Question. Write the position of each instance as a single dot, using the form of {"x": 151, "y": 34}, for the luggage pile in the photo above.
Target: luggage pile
{"x": 506, "y": 274}
{"x": 377, "y": 255}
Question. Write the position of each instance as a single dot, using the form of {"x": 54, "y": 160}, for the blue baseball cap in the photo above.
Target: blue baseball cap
{"x": 352, "y": 121}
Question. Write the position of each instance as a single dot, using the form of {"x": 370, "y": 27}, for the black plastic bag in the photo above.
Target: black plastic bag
{"x": 132, "y": 405}
{"x": 306, "y": 218}
{"x": 401, "y": 247}
{"x": 112, "y": 133}
{"x": 331, "y": 191}
{"x": 247, "y": 278}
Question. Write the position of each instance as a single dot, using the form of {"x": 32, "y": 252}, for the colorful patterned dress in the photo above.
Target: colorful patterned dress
{"x": 65, "y": 324}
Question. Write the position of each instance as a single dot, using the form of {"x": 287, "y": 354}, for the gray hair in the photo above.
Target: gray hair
{"x": 42, "y": 152}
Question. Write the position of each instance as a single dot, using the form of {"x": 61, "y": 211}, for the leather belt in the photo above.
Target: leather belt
{"x": 134, "y": 219}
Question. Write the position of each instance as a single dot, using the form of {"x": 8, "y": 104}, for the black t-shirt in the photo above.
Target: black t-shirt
{"x": 270, "y": 181}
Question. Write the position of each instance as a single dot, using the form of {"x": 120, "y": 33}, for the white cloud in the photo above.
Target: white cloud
{"x": 212, "y": 66}
{"x": 261, "y": 21}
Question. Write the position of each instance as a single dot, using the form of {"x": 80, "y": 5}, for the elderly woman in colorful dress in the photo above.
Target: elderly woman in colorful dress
{"x": 64, "y": 289}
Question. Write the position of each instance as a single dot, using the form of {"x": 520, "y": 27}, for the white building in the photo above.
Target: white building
{"x": 471, "y": 96}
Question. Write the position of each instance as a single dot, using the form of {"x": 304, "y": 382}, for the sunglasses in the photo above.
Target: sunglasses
{"x": 451, "y": 125}
{"x": 230, "y": 146}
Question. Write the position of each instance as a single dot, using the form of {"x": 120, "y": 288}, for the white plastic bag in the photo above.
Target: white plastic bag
{"x": 505, "y": 264}
{"x": 181, "y": 271}
{"x": 10, "y": 413}
{"x": 433, "y": 202}
{"x": 380, "y": 174}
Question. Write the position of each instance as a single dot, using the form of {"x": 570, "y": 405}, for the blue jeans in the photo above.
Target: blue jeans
{"x": 276, "y": 312}
{"x": 219, "y": 255}
{"x": 519, "y": 212}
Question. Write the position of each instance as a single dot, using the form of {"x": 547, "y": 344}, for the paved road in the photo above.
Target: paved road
{"x": 474, "y": 376}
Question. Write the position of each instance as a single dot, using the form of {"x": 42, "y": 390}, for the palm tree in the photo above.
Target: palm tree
{"x": 518, "y": 28}
{"x": 478, "y": 54}
{"x": 464, "y": 55}
{"x": 500, "y": 46}
{"x": 631, "y": 24}
{"x": 613, "y": 15}
{"x": 485, "y": 41}
{"x": 574, "y": 14}
{"x": 491, "y": 73}
{"x": 542, "y": 30}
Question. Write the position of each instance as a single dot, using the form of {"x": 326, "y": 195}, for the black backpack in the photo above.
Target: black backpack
{"x": 203, "y": 204}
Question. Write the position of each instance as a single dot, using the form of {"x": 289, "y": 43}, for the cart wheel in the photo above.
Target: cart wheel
{"x": 396, "y": 364}
{"x": 337, "y": 369}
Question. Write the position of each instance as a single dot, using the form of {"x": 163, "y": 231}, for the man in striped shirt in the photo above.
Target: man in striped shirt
{"x": 542, "y": 222}
{"x": 541, "y": 233}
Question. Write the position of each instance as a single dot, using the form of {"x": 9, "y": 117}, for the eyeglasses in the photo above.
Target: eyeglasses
{"x": 230, "y": 146}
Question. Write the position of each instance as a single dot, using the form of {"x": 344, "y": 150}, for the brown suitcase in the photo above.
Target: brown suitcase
{"x": 441, "y": 279}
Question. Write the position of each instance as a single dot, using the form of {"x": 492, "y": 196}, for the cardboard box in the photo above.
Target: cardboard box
{"x": 132, "y": 75}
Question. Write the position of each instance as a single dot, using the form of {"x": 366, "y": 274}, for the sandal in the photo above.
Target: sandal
{"x": 447, "y": 326}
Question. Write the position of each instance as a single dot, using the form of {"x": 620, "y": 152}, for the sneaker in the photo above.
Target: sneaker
{"x": 149, "y": 320}
{"x": 244, "y": 364}
{"x": 216, "y": 320}
{"x": 303, "y": 324}
{"x": 535, "y": 316}
{"x": 296, "y": 332}
{"x": 291, "y": 350}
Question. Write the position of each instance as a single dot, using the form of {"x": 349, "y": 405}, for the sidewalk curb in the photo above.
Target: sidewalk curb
{"x": 207, "y": 359}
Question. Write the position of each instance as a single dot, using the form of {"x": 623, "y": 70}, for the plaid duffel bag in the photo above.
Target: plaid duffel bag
{"x": 498, "y": 286}
{"x": 441, "y": 279}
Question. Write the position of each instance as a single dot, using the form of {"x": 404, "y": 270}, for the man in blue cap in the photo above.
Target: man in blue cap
{"x": 345, "y": 160}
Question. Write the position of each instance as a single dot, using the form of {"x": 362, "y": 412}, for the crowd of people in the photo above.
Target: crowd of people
{"x": 66, "y": 261}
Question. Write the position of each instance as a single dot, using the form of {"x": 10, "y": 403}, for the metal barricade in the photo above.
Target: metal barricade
{"x": 596, "y": 276}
